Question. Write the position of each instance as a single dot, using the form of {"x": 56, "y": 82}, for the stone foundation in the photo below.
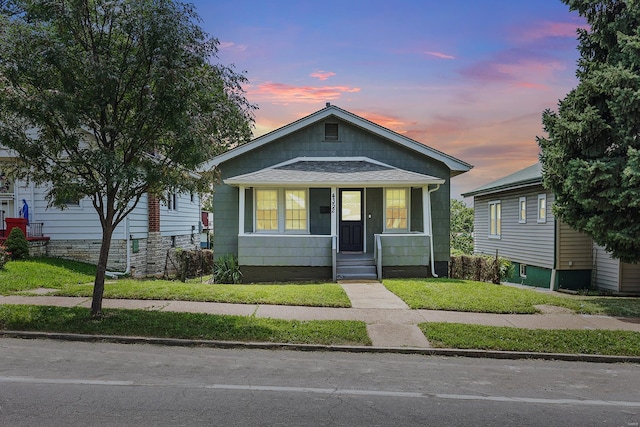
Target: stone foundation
{"x": 150, "y": 259}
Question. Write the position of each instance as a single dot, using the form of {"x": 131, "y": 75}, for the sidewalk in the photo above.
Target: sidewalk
{"x": 390, "y": 323}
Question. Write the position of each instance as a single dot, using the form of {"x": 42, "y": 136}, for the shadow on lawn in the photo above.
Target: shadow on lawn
{"x": 618, "y": 307}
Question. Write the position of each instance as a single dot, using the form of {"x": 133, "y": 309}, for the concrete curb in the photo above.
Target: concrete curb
{"x": 449, "y": 352}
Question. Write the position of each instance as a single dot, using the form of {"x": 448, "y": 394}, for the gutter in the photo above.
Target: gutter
{"x": 433, "y": 269}
{"x": 127, "y": 236}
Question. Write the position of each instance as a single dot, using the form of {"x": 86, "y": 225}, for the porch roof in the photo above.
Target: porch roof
{"x": 334, "y": 171}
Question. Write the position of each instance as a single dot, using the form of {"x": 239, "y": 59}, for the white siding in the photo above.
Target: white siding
{"x": 607, "y": 269}
{"x": 179, "y": 221}
{"x": 530, "y": 243}
{"x": 574, "y": 249}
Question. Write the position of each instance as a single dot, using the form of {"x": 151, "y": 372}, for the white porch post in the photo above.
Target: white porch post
{"x": 241, "y": 196}
{"x": 426, "y": 211}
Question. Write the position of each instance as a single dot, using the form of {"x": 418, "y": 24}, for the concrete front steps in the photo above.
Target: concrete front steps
{"x": 355, "y": 266}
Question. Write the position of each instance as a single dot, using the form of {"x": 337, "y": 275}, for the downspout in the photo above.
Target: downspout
{"x": 433, "y": 268}
{"x": 127, "y": 237}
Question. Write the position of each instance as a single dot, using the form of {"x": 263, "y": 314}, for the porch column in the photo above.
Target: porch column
{"x": 334, "y": 211}
{"x": 241, "y": 196}
{"x": 426, "y": 211}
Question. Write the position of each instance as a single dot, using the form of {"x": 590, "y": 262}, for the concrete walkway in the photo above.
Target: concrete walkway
{"x": 390, "y": 322}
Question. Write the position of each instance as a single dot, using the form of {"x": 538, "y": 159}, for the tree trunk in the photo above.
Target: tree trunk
{"x": 98, "y": 286}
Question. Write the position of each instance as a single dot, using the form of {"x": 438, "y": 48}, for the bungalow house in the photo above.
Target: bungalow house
{"x": 139, "y": 244}
{"x": 334, "y": 196}
{"x": 513, "y": 217}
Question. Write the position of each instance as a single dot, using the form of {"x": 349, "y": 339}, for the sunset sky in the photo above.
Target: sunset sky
{"x": 470, "y": 78}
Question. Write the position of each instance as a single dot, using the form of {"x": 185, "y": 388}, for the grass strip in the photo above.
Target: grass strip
{"x": 43, "y": 272}
{"x": 313, "y": 295}
{"x": 480, "y": 297}
{"x": 182, "y": 325}
{"x": 455, "y": 335}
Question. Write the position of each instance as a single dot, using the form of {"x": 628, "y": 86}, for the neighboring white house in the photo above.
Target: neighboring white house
{"x": 139, "y": 244}
{"x": 513, "y": 216}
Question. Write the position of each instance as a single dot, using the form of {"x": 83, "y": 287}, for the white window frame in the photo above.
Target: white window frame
{"x": 407, "y": 196}
{"x": 281, "y": 210}
{"x": 523, "y": 270}
{"x": 255, "y": 211}
{"x": 497, "y": 204}
{"x": 172, "y": 202}
{"x": 542, "y": 200}
{"x": 522, "y": 210}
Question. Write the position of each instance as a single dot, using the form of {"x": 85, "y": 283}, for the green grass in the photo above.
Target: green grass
{"x": 315, "y": 295}
{"x": 43, "y": 272}
{"x": 182, "y": 325}
{"x": 454, "y": 335}
{"x": 464, "y": 295}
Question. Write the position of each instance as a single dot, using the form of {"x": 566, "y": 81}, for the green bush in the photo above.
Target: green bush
{"x": 227, "y": 270}
{"x": 17, "y": 244}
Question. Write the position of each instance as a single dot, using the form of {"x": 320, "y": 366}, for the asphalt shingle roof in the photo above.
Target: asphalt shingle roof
{"x": 531, "y": 175}
{"x": 310, "y": 172}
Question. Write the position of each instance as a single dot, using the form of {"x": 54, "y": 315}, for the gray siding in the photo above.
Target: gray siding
{"x": 607, "y": 269}
{"x": 574, "y": 249}
{"x": 531, "y": 243}
{"x": 405, "y": 250}
{"x": 269, "y": 250}
{"x": 308, "y": 142}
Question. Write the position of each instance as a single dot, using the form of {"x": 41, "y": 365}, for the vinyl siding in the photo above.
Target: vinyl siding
{"x": 308, "y": 142}
{"x": 179, "y": 221}
{"x": 531, "y": 243}
{"x": 573, "y": 250}
{"x": 280, "y": 250}
{"x": 630, "y": 278}
{"x": 607, "y": 269}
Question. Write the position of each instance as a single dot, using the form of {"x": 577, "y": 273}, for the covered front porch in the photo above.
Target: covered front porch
{"x": 336, "y": 218}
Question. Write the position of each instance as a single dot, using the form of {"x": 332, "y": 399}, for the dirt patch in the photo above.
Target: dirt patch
{"x": 553, "y": 309}
{"x": 41, "y": 291}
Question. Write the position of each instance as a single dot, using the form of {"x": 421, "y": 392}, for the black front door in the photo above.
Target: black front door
{"x": 351, "y": 224}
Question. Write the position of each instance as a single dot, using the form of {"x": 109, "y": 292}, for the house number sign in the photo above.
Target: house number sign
{"x": 333, "y": 203}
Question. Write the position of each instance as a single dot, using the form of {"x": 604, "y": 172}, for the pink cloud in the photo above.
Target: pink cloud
{"x": 552, "y": 29}
{"x": 390, "y": 122}
{"x": 439, "y": 55}
{"x": 288, "y": 93}
{"x": 322, "y": 75}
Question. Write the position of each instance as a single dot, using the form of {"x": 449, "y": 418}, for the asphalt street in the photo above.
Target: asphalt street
{"x": 55, "y": 383}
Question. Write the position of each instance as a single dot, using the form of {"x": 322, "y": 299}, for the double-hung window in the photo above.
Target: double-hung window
{"x": 522, "y": 210}
{"x": 396, "y": 209}
{"x": 495, "y": 219}
{"x": 278, "y": 210}
{"x": 542, "y": 208}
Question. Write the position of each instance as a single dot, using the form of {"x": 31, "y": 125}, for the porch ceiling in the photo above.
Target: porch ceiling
{"x": 337, "y": 171}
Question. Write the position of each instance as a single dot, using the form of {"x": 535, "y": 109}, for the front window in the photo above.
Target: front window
{"x": 172, "y": 202}
{"x": 396, "y": 209}
{"x": 542, "y": 208}
{"x": 495, "y": 219}
{"x": 295, "y": 209}
{"x": 266, "y": 210}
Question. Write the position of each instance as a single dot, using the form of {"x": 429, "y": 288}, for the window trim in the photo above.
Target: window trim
{"x": 407, "y": 198}
{"x": 172, "y": 202}
{"x": 522, "y": 219}
{"x": 281, "y": 210}
{"x": 523, "y": 271}
{"x": 542, "y": 198}
{"x": 498, "y": 219}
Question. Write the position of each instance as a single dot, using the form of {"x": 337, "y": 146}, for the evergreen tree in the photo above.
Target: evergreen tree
{"x": 591, "y": 157}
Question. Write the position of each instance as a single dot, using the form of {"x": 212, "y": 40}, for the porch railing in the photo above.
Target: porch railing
{"x": 34, "y": 229}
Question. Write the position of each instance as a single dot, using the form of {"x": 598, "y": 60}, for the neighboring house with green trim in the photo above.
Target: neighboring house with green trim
{"x": 513, "y": 216}
{"x": 334, "y": 196}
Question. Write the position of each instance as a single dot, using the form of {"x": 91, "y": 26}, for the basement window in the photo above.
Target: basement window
{"x": 523, "y": 271}
{"x": 330, "y": 131}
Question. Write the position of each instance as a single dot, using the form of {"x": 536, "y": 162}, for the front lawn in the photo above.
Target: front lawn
{"x": 43, "y": 272}
{"x": 465, "y": 295}
{"x": 455, "y": 335}
{"x": 144, "y": 323}
{"x": 314, "y": 295}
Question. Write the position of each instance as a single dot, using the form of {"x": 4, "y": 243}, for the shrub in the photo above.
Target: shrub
{"x": 193, "y": 263}
{"x": 17, "y": 244}
{"x": 227, "y": 270}
{"x": 480, "y": 268}
{"x": 4, "y": 257}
